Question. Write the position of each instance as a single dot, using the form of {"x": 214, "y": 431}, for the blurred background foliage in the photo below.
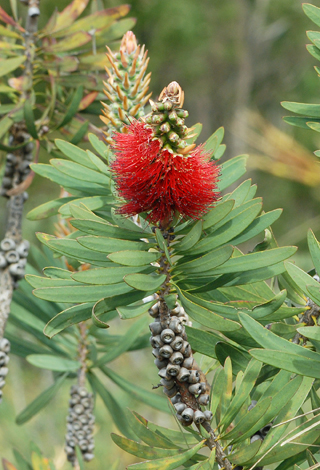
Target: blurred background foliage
{"x": 236, "y": 61}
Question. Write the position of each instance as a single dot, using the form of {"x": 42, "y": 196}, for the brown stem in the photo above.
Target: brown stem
{"x": 212, "y": 443}
{"x": 83, "y": 352}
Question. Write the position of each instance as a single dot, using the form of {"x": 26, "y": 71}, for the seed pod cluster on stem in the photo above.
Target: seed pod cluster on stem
{"x": 127, "y": 86}
{"x": 4, "y": 360}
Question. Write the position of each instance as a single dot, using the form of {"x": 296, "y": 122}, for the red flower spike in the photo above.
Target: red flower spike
{"x": 155, "y": 180}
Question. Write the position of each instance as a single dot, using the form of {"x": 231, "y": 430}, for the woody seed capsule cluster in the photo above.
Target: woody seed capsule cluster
{"x": 14, "y": 256}
{"x": 179, "y": 373}
{"x": 4, "y": 360}
{"x": 127, "y": 85}
{"x": 80, "y": 421}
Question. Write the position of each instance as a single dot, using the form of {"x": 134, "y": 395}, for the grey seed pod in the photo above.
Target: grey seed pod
{"x": 3, "y": 371}
{"x": 7, "y": 359}
{"x": 187, "y": 414}
{"x": 198, "y": 417}
{"x": 88, "y": 456}
{"x": 167, "y": 335}
{"x": 3, "y": 261}
{"x": 171, "y": 392}
{"x": 176, "y": 399}
{"x": 25, "y": 196}
{"x": 180, "y": 407}
{"x": 166, "y": 351}
{"x": 155, "y": 353}
{"x": 252, "y": 405}
{"x": 24, "y": 166}
{"x": 33, "y": 12}
{"x": 2, "y": 358}
{"x": 154, "y": 311}
{"x": 8, "y": 171}
{"x": 155, "y": 328}
{"x": 83, "y": 392}
{"x": 177, "y": 343}
{"x": 77, "y": 425}
{"x": 83, "y": 419}
{"x": 5, "y": 345}
{"x": 173, "y": 370}
{"x": 29, "y": 147}
{"x": 28, "y": 157}
{"x": 2, "y": 383}
{"x": 160, "y": 364}
{"x": 16, "y": 269}
{"x": 11, "y": 158}
{"x": 163, "y": 374}
{"x": 203, "y": 387}
{"x": 186, "y": 349}
{"x": 183, "y": 375}
{"x": 175, "y": 326}
{"x": 68, "y": 450}
{"x": 188, "y": 363}
{"x": 208, "y": 415}
{"x": 12, "y": 256}
{"x": 91, "y": 447}
{"x": 167, "y": 383}
{"x": 156, "y": 341}
{"x": 176, "y": 310}
{"x": 74, "y": 400}
{"x": 176, "y": 358}
{"x": 195, "y": 389}
{"x": 83, "y": 444}
{"x": 194, "y": 377}
{"x": 86, "y": 402}
{"x": 255, "y": 437}
{"x": 203, "y": 399}
{"x": 6, "y": 182}
{"x": 23, "y": 248}
{"x": 183, "y": 421}
{"x": 7, "y": 244}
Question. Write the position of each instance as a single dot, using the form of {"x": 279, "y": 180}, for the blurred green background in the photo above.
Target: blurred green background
{"x": 236, "y": 61}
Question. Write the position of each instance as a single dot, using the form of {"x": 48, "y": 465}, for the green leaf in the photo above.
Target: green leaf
{"x": 257, "y": 226}
{"x": 81, "y": 132}
{"x": 289, "y": 361}
{"x": 312, "y": 110}
{"x": 30, "y": 119}
{"x": 74, "y": 294}
{"x": 267, "y": 308}
{"x": 46, "y": 361}
{"x": 75, "y": 153}
{"x": 245, "y": 453}
{"x": 77, "y": 97}
{"x": 231, "y": 171}
{"x": 239, "y": 358}
{"x": 92, "y": 203}
{"x": 127, "y": 340}
{"x": 73, "y": 249}
{"x": 191, "y": 238}
{"x": 48, "y": 208}
{"x": 141, "y": 450}
{"x": 312, "y": 12}
{"x": 134, "y": 258}
{"x": 9, "y": 65}
{"x": 302, "y": 281}
{"x": 40, "y": 402}
{"x": 5, "y": 124}
{"x": 68, "y": 317}
{"x": 111, "y": 245}
{"x": 202, "y": 341}
{"x": 127, "y": 224}
{"x": 314, "y": 51}
{"x": 106, "y": 276}
{"x": 217, "y": 214}
{"x": 299, "y": 121}
{"x": 310, "y": 332}
{"x": 240, "y": 194}
{"x": 163, "y": 244}
{"x": 205, "y": 316}
{"x": 117, "y": 412}
{"x": 145, "y": 282}
{"x": 98, "y": 145}
{"x": 96, "y": 227}
{"x": 219, "y": 152}
{"x": 212, "y": 144}
{"x": 80, "y": 172}
{"x": 149, "y": 398}
{"x": 107, "y": 304}
{"x": 248, "y": 381}
{"x": 221, "y": 309}
{"x": 127, "y": 312}
{"x": 168, "y": 463}
{"x": 207, "y": 262}
{"x": 314, "y": 248}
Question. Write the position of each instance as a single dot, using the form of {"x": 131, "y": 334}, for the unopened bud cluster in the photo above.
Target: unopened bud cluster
{"x": 179, "y": 372}
{"x": 4, "y": 360}
{"x": 14, "y": 257}
{"x": 127, "y": 85}
{"x": 80, "y": 422}
{"x": 17, "y": 165}
{"x": 167, "y": 120}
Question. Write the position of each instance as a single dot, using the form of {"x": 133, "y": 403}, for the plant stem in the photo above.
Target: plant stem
{"x": 212, "y": 442}
{"x": 83, "y": 352}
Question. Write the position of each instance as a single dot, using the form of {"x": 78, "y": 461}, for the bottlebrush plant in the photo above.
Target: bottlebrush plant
{"x": 152, "y": 231}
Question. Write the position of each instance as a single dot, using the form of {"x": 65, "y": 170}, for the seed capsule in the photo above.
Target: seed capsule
{"x": 187, "y": 414}
{"x": 194, "y": 377}
{"x": 208, "y": 415}
{"x": 180, "y": 407}
{"x": 183, "y": 421}
{"x": 171, "y": 392}
{"x": 176, "y": 358}
{"x": 163, "y": 374}
{"x": 198, "y": 417}
{"x": 173, "y": 370}
{"x": 7, "y": 244}
{"x": 177, "y": 344}
{"x": 23, "y": 248}
{"x": 4, "y": 345}
{"x": 156, "y": 341}
{"x": 167, "y": 335}
{"x": 160, "y": 364}
{"x": 203, "y": 399}
{"x": 188, "y": 363}
{"x": 183, "y": 375}
{"x": 185, "y": 349}
{"x": 4, "y": 371}
{"x": 175, "y": 326}
{"x": 155, "y": 328}
{"x": 167, "y": 383}
{"x": 195, "y": 389}
{"x": 176, "y": 399}
{"x": 166, "y": 351}
{"x": 3, "y": 261}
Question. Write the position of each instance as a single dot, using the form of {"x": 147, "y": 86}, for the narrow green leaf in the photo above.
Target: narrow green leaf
{"x": 111, "y": 245}
{"x": 118, "y": 414}
{"x": 312, "y": 12}
{"x": 127, "y": 312}
{"x": 212, "y": 144}
{"x": 134, "y": 258}
{"x": 68, "y": 317}
{"x": 149, "y": 398}
{"x": 98, "y": 145}
{"x": 107, "y": 304}
{"x": 48, "y": 208}
{"x": 93, "y": 203}
{"x": 202, "y": 341}
{"x": 80, "y": 172}
{"x": 46, "y": 361}
{"x": 191, "y": 238}
{"x": 81, "y": 132}
{"x": 267, "y": 308}
{"x": 145, "y": 282}
{"x": 217, "y": 214}
{"x": 75, "y": 153}
{"x": 168, "y": 463}
{"x": 231, "y": 171}
{"x": 239, "y": 358}
{"x": 40, "y": 402}
{"x": 257, "y": 226}
{"x": 245, "y": 453}
{"x": 163, "y": 244}
{"x": 239, "y": 194}
{"x": 207, "y": 262}
{"x": 107, "y": 276}
{"x": 141, "y": 450}
{"x": 77, "y": 97}
{"x": 30, "y": 119}
{"x": 205, "y": 316}
{"x": 9, "y": 65}
{"x": 5, "y": 124}
{"x": 312, "y": 110}
{"x": 100, "y": 227}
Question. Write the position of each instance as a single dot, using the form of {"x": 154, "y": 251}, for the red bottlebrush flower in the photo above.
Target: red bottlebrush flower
{"x": 153, "y": 179}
